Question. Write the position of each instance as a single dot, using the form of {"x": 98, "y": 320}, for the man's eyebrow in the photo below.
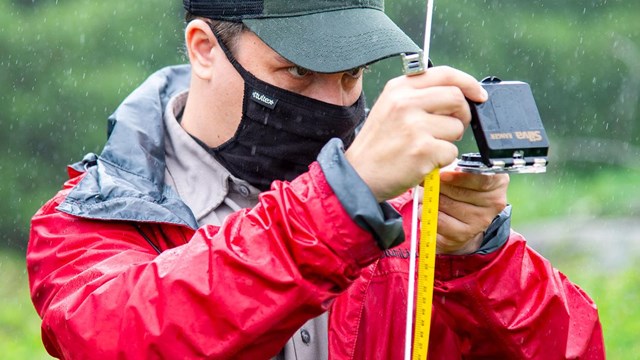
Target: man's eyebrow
{"x": 283, "y": 61}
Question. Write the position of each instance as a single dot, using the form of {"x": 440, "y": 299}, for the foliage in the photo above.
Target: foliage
{"x": 64, "y": 67}
{"x": 19, "y": 323}
{"x": 580, "y": 57}
{"x": 563, "y": 194}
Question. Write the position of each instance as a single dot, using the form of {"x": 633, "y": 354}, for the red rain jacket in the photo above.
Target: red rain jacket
{"x": 241, "y": 290}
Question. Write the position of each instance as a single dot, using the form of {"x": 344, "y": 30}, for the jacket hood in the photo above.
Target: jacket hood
{"x": 126, "y": 181}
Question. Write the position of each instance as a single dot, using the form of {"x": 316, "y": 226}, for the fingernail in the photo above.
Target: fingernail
{"x": 445, "y": 176}
{"x": 485, "y": 94}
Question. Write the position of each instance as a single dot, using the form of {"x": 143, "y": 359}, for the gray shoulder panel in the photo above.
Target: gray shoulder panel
{"x": 380, "y": 219}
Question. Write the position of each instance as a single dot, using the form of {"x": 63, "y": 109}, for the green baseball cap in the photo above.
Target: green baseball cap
{"x": 321, "y": 35}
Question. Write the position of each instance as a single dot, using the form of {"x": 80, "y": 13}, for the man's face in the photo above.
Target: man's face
{"x": 214, "y": 108}
{"x": 259, "y": 59}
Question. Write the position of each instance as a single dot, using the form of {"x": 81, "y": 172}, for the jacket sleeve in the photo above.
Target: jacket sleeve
{"x": 236, "y": 291}
{"x": 512, "y": 304}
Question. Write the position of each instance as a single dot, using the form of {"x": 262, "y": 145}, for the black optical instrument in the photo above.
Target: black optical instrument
{"x": 508, "y": 131}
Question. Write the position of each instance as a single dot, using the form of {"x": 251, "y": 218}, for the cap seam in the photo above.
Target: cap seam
{"x": 282, "y": 16}
{"x": 311, "y": 12}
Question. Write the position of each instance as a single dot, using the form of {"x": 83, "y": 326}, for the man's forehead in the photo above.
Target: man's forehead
{"x": 273, "y": 55}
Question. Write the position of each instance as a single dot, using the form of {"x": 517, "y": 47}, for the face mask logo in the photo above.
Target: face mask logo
{"x": 263, "y": 99}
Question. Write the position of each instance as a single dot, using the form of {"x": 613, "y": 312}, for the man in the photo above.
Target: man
{"x": 207, "y": 229}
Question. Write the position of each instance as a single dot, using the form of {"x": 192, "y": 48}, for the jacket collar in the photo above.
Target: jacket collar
{"x": 126, "y": 182}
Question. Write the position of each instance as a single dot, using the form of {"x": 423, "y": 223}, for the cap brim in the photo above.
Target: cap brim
{"x": 333, "y": 41}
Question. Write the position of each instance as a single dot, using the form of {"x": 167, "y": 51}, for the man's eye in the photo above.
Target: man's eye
{"x": 357, "y": 72}
{"x": 298, "y": 71}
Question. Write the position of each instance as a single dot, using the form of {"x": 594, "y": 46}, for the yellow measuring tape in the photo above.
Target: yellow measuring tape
{"x": 426, "y": 265}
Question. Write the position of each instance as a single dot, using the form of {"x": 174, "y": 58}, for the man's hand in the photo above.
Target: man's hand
{"x": 411, "y": 129}
{"x": 468, "y": 205}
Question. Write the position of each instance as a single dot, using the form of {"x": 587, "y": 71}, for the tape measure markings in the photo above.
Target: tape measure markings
{"x": 426, "y": 265}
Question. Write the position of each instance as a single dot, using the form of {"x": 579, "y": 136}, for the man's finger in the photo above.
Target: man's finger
{"x": 477, "y": 182}
{"x": 441, "y": 127}
{"x": 441, "y": 100}
{"x": 447, "y": 76}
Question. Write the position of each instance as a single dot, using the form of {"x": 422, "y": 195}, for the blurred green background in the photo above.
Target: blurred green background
{"x": 66, "y": 65}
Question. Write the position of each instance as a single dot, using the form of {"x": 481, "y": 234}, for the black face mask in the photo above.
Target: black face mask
{"x": 281, "y": 133}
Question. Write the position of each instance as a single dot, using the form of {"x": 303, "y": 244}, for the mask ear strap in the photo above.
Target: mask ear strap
{"x": 229, "y": 55}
